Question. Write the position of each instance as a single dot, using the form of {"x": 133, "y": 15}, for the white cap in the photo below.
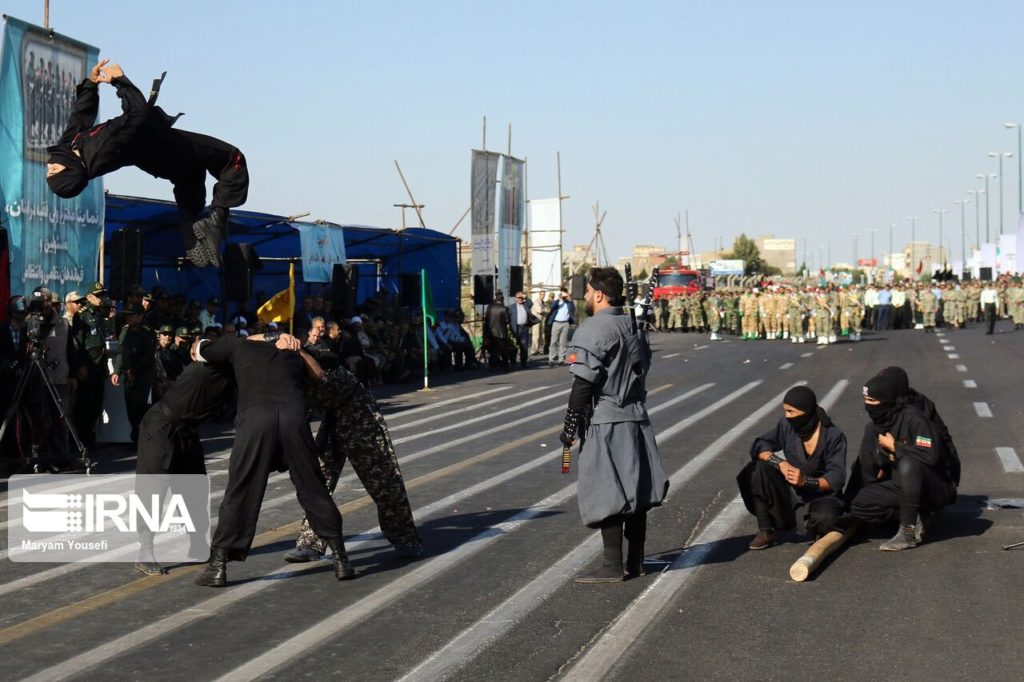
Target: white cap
{"x": 356, "y": 320}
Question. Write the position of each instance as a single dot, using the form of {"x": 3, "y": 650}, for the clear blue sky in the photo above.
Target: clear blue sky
{"x": 804, "y": 119}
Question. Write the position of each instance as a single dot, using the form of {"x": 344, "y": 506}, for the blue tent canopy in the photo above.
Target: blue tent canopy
{"x": 381, "y": 256}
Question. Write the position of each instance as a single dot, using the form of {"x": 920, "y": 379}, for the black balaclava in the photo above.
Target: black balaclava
{"x": 885, "y": 388}
{"x": 803, "y": 399}
{"x": 72, "y": 180}
{"x": 899, "y": 375}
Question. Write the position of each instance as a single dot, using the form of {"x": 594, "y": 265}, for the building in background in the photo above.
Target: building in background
{"x": 778, "y": 253}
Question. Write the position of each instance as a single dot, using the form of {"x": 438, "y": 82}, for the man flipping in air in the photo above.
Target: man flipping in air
{"x": 142, "y": 136}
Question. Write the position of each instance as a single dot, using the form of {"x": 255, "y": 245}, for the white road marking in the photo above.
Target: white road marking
{"x": 469, "y": 408}
{"x": 431, "y": 567}
{"x": 1010, "y": 460}
{"x": 970, "y": 383}
{"x": 483, "y": 417}
{"x": 391, "y": 414}
{"x": 786, "y": 366}
{"x": 954, "y": 356}
{"x": 699, "y": 347}
{"x": 611, "y": 649}
{"x": 670, "y": 355}
{"x": 806, "y": 355}
{"x": 948, "y": 348}
{"x": 961, "y": 368}
{"x": 471, "y": 641}
{"x": 982, "y": 409}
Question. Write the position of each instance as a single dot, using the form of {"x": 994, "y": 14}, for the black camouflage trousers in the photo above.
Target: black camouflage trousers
{"x": 353, "y": 429}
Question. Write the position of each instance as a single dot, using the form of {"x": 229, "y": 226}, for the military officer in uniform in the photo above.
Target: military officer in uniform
{"x": 620, "y": 476}
{"x": 89, "y": 332}
{"x": 134, "y": 366}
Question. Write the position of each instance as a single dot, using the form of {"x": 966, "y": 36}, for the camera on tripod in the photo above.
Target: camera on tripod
{"x": 38, "y": 323}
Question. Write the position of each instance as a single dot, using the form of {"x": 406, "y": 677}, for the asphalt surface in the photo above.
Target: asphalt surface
{"x": 493, "y": 597}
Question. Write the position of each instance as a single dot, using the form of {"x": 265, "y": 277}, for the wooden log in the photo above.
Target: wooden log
{"x": 818, "y": 552}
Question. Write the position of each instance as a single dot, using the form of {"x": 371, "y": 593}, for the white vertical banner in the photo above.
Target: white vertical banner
{"x": 512, "y": 213}
{"x": 545, "y": 245}
{"x": 484, "y": 175}
{"x": 1006, "y": 258}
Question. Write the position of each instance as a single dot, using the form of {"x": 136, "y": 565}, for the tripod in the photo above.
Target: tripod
{"x": 36, "y": 368}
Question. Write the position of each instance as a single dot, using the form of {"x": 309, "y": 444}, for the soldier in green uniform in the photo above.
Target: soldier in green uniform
{"x": 675, "y": 312}
{"x": 713, "y": 310}
{"x": 89, "y": 335}
{"x": 354, "y": 430}
{"x": 134, "y": 366}
{"x": 927, "y": 303}
{"x": 732, "y": 312}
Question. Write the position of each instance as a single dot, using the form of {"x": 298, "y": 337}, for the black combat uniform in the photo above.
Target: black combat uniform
{"x": 142, "y": 136}
{"x": 271, "y": 431}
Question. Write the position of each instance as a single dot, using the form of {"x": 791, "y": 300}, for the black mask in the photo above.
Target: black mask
{"x": 882, "y": 414}
{"x": 805, "y": 424}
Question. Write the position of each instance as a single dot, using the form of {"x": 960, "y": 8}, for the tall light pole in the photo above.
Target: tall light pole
{"x": 913, "y": 236}
{"x": 940, "y": 211}
{"x": 1020, "y": 176}
{"x": 871, "y": 256}
{"x": 1001, "y": 156}
{"x": 988, "y": 235}
{"x": 892, "y": 226}
{"x": 976, "y": 194}
{"x": 963, "y": 237}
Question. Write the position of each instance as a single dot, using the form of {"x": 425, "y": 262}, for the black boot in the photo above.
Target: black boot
{"x": 145, "y": 561}
{"x": 636, "y": 535}
{"x": 216, "y": 572}
{"x": 209, "y": 232}
{"x": 342, "y": 568}
{"x": 610, "y": 570}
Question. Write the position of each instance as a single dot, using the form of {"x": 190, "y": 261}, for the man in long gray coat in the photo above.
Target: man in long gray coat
{"x": 621, "y": 476}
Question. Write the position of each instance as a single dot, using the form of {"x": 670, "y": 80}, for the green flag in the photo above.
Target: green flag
{"x": 427, "y": 298}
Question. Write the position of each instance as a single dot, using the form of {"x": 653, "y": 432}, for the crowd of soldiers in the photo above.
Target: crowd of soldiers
{"x": 825, "y": 314}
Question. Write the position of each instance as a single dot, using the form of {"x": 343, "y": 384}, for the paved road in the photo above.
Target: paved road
{"x": 494, "y": 598}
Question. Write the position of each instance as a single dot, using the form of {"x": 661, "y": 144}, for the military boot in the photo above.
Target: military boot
{"x": 342, "y": 568}
{"x": 216, "y": 572}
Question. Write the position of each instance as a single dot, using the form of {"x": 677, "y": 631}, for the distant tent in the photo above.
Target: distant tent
{"x": 381, "y": 256}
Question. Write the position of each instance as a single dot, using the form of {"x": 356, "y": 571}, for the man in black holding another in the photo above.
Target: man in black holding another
{"x": 271, "y": 431}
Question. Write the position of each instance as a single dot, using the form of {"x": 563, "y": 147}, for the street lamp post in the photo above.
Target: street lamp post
{"x": 1001, "y": 156}
{"x": 940, "y": 211}
{"x": 913, "y": 236}
{"x": 963, "y": 238}
{"x": 1020, "y": 176}
{"x": 976, "y": 194}
{"x": 892, "y": 226}
{"x": 988, "y": 234}
{"x": 871, "y": 255}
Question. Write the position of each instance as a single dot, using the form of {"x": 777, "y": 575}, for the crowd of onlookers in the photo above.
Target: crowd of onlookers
{"x": 147, "y": 339}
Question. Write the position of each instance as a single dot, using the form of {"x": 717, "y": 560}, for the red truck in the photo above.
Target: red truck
{"x": 674, "y": 279}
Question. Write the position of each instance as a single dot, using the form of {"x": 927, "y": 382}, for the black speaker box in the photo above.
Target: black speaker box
{"x": 515, "y": 280}
{"x": 409, "y": 290}
{"x": 240, "y": 261}
{"x": 483, "y": 289}
{"x": 985, "y": 274}
{"x": 125, "y": 251}
{"x": 344, "y": 289}
{"x": 578, "y": 287}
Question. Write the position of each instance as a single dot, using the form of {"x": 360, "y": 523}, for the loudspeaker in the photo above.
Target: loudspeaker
{"x": 515, "y": 280}
{"x": 985, "y": 274}
{"x": 240, "y": 260}
{"x": 344, "y": 289}
{"x": 578, "y": 287}
{"x": 125, "y": 250}
{"x": 483, "y": 289}
{"x": 409, "y": 290}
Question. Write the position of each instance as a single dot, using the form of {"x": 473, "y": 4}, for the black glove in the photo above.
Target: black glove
{"x": 571, "y": 427}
